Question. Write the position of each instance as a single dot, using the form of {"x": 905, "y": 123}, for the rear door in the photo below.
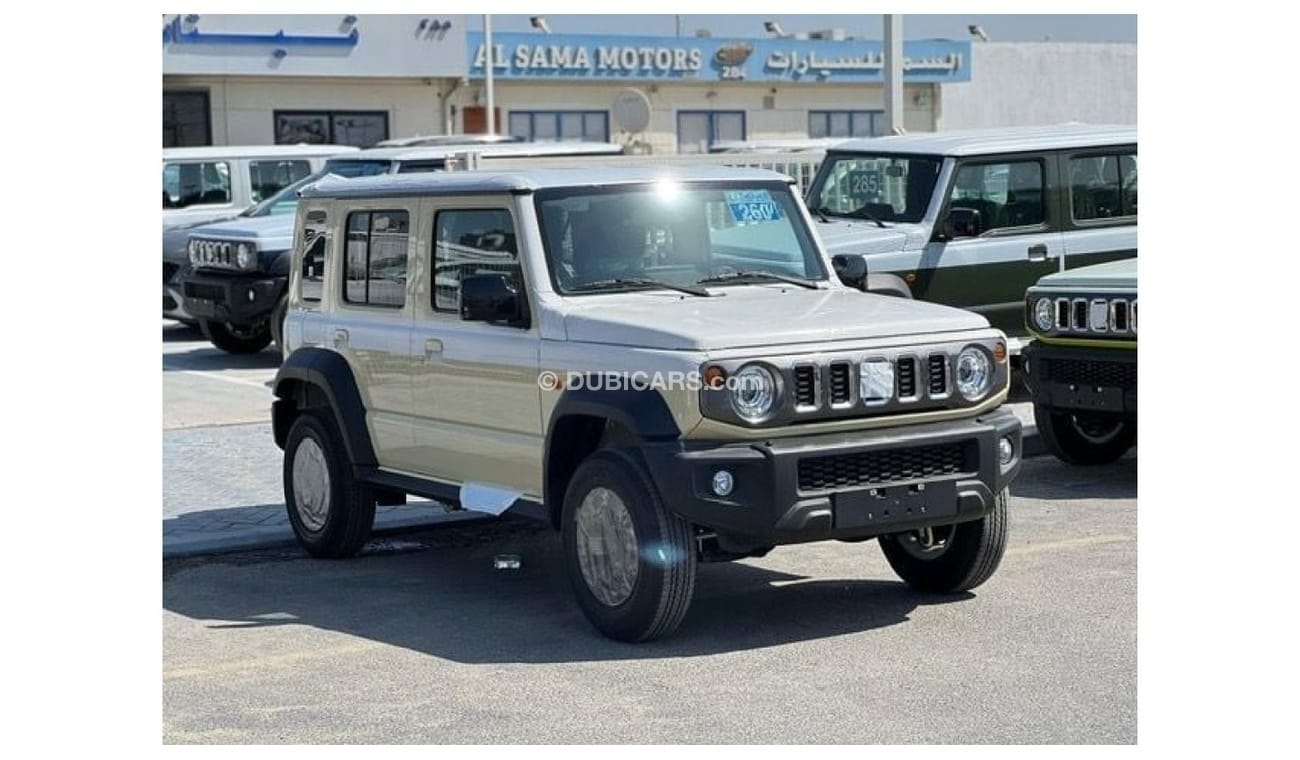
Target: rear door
{"x": 1018, "y": 237}
{"x": 1099, "y": 204}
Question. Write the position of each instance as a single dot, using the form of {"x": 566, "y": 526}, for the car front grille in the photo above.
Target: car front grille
{"x": 204, "y": 291}
{"x": 877, "y": 468}
{"x": 1093, "y": 316}
{"x": 1089, "y": 372}
{"x": 214, "y": 253}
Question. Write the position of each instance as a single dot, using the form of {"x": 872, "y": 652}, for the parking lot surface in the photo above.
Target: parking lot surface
{"x": 421, "y": 640}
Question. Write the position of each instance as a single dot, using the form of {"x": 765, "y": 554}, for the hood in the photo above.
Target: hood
{"x": 754, "y": 316}
{"x": 271, "y": 233}
{"x": 860, "y": 237}
{"x": 1112, "y": 274}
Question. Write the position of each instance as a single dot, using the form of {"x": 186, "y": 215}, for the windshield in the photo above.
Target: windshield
{"x": 357, "y": 167}
{"x": 634, "y": 237}
{"x": 866, "y": 186}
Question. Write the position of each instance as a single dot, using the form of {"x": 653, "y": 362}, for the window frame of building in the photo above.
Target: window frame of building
{"x": 1066, "y": 172}
{"x": 873, "y": 119}
{"x": 329, "y": 119}
{"x": 206, "y": 138}
{"x": 348, "y": 265}
{"x": 713, "y": 115}
{"x": 558, "y": 116}
{"x": 438, "y": 216}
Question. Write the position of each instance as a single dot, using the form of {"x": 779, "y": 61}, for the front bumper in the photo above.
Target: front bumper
{"x": 244, "y": 300}
{"x": 1096, "y": 380}
{"x": 173, "y": 299}
{"x": 840, "y": 486}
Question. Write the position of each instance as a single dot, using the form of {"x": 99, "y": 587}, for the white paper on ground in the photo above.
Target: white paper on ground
{"x": 481, "y": 497}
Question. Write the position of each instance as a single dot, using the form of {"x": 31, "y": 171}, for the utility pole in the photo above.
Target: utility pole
{"x": 893, "y": 73}
{"x": 489, "y": 72}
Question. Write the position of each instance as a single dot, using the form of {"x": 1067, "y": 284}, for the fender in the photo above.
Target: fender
{"x": 328, "y": 372}
{"x": 888, "y": 285}
{"x": 641, "y": 412}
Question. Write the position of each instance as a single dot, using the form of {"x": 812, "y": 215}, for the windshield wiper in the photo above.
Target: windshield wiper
{"x": 645, "y": 282}
{"x": 758, "y": 274}
{"x": 864, "y": 214}
{"x": 820, "y": 211}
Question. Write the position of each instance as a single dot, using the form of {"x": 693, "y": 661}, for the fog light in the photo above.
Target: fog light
{"x": 723, "y": 483}
{"x": 252, "y": 295}
{"x": 1006, "y": 451}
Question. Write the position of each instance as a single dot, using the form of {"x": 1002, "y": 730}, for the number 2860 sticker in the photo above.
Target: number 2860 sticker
{"x": 753, "y": 206}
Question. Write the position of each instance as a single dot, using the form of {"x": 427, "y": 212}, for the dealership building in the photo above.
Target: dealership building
{"x": 358, "y": 79}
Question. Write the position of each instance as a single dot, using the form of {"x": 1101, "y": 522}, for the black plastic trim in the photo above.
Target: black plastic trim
{"x": 329, "y": 372}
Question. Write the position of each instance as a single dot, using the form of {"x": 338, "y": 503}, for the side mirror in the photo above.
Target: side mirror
{"x": 961, "y": 222}
{"x": 851, "y": 269}
{"x": 490, "y": 298}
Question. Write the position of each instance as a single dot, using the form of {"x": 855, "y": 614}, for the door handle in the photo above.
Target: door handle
{"x": 432, "y": 349}
{"x": 1038, "y": 253}
{"x": 340, "y": 338}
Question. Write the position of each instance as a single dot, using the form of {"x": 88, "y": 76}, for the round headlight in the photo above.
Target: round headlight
{"x": 974, "y": 373}
{"x": 245, "y": 256}
{"x": 753, "y": 392}
{"x": 1043, "y": 314}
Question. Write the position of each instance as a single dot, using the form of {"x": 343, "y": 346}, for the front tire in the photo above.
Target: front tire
{"x": 1084, "y": 439}
{"x": 631, "y": 562}
{"x": 950, "y": 558}
{"x": 331, "y": 513}
{"x": 235, "y": 341}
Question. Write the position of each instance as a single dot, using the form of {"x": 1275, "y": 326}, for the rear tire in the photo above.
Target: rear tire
{"x": 1083, "y": 439}
{"x": 631, "y": 562}
{"x": 969, "y": 554}
{"x": 331, "y": 513}
{"x": 232, "y": 342}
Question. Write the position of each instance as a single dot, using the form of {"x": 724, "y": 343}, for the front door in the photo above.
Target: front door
{"x": 477, "y": 407}
{"x": 1013, "y": 239}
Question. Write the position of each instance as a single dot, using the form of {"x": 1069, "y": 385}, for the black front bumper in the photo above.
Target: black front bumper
{"x": 842, "y": 485}
{"x": 1094, "y": 380}
{"x": 243, "y": 300}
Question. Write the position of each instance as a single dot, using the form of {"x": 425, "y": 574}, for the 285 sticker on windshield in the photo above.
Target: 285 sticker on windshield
{"x": 753, "y": 206}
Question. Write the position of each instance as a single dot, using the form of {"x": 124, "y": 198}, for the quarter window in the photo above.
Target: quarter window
{"x": 1103, "y": 187}
{"x": 270, "y": 177}
{"x": 478, "y": 241}
{"x": 376, "y": 258}
{"x": 315, "y": 245}
{"x": 196, "y": 183}
{"x": 1002, "y": 195}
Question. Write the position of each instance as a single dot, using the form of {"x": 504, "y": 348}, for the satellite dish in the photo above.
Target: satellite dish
{"x": 631, "y": 110}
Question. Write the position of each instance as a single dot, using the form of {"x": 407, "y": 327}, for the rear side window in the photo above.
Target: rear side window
{"x": 375, "y": 274}
{"x": 1003, "y": 195}
{"x": 1103, "y": 187}
{"x": 270, "y": 177}
{"x": 315, "y": 245}
{"x": 478, "y": 241}
{"x": 196, "y": 183}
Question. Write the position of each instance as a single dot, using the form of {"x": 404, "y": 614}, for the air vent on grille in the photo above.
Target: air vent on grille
{"x": 840, "y": 383}
{"x": 880, "y": 467}
{"x": 1080, "y": 314}
{"x": 1062, "y": 314}
{"x": 906, "y": 369}
{"x": 1119, "y": 316}
{"x": 805, "y": 386}
{"x": 938, "y": 384}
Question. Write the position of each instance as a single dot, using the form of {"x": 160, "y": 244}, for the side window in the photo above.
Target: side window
{"x": 467, "y": 242}
{"x": 1001, "y": 195}
{"x": 194, "y": 183}
{"x": 269, "y": 177}
{"x": 1103, "y": 187}
{"x": 375, "y": 271}
{"x": 315, "y": 244}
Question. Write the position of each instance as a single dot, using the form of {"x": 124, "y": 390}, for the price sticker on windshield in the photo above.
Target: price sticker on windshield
{"x": 864, "y": 183}
{"x": 753, "y": 206}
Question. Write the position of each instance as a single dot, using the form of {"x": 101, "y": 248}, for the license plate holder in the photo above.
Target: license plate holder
{"x": 1088, "y": 397}
{"x": 895, "y": 504}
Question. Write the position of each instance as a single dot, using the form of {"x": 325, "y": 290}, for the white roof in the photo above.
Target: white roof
{"x": 432, "y": 152}
{"x": 1001, "y": 140}
{"x": 253, "y": 151}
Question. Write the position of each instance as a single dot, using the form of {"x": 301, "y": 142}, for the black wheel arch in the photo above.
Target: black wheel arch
{"x": 584, "y": 419}
{"x": 320, "y": 378}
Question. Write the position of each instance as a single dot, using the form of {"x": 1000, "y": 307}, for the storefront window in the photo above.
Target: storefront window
{"x": 561, "y": 126}
{"x": 186, "y": 119}
{"x": 697, "y": 131}
{"x": 845, "y": 123}
{"x": 359, "y": 128}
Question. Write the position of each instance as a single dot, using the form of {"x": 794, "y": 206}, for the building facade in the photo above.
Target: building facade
{"x": 252, "y": 79}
